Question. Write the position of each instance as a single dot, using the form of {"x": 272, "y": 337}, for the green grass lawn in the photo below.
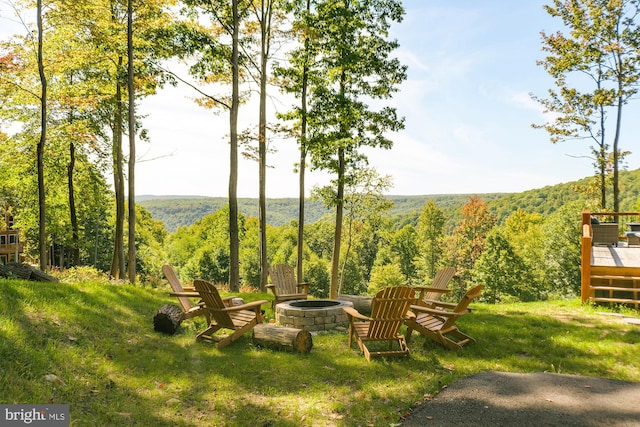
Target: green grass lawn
{"x": 93, "y": 347}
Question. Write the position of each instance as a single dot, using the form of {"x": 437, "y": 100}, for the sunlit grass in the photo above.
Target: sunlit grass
{"x": 92, "y": 345}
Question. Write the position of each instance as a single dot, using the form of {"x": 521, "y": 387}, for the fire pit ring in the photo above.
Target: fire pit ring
{"x": 312, "y": 315}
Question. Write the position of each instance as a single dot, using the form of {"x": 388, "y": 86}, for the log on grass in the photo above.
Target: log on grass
{"x": 167, "y": 319}
{"x": 22, "y": 271}
{"x": 282, "y": 338}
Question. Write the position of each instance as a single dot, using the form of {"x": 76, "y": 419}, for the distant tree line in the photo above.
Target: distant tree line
{"x": 527, "y": 257}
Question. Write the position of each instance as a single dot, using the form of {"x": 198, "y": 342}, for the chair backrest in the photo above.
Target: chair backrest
{"x": 461, "y": 308}
{"x": 388, "y": 311}
{"x": 442, "y": 279}
{"x": 173, "y": 280}
{"x": 284, "y": 279}
{"x": 214, "y": 303}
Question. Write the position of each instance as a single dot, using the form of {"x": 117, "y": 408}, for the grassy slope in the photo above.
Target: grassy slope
{"x": 113, "y": 369}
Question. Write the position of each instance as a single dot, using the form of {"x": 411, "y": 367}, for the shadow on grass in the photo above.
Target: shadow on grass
{"x": 113, "y": 369}
{"x": 526, "y": 342}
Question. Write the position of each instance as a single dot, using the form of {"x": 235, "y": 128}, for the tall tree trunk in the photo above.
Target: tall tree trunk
{"x": 234, "y": 243}
{"x": 300, "y": 252}
{"x": 42, "y": 233}
{"x": 303, "y": 158}
{"x": 337, "y": 235}
{"x": 347, "y": 251}
{"x": 616, "y": 139}
{"x": 117, "y": 263}
{"x": 132, "y": 148}
{"x": 262, "y": 143}
{"x": 602, "y": 161}
{"x": 75, "y": 251}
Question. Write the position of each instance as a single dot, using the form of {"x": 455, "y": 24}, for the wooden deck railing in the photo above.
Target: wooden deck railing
{"x": 585, "y": 264}
{"x": 618, "y": 280}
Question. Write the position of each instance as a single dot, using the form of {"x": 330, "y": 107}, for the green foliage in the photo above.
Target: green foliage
{"x": 316, "y": 272}
{"x": 468, "y": 241}
{"x": 319, "y": 237}
{"x": 601, "y": 44}
{"x": 176, "y": 212}
{"x": 430, "y": 236}
{"x": 538, "y": 242}
{"x": 383, "y": 276}
{"x": 150, "y": 245}
{"x": 404, "y": 246}
{"x": 503, "y": 272}
{"x": 202, "y": 250}
{"x": 353, "y": 282}
{"x": 562, "y": 241}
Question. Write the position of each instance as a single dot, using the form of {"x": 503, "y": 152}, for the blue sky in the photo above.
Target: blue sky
{"x": 472, "y": 66}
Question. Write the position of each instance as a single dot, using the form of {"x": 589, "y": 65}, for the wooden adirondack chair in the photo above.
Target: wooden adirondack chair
{"x": 439, "y": 323}
{"x": 188, "y": 310}
{"x": 389, "y": 309}
{"x": 239, "y": 318}
{"x": 429, "y": 296}
{"x": 284, "y": 285}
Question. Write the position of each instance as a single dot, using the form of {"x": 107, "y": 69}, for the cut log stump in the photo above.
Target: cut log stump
{"x": 167, "y": 319}
{"x": 282, "y": 338}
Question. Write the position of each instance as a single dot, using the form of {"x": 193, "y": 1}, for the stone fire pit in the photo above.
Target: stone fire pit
{"x": 312, "y": 315}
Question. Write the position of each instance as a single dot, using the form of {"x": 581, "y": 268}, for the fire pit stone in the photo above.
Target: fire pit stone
{"x": 312, "y": 315}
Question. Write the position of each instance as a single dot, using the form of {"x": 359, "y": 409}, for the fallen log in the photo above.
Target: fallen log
{"x": 167, "y": 319}
{"x": 22, "y": 271}
{"x": 282, "y": 338}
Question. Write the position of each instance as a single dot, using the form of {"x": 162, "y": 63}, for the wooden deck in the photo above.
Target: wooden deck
{"x": 607, "y": 256}
{"x": 610, "y": 274}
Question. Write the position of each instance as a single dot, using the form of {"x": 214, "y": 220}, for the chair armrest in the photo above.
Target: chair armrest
{"x": 434, "y": 312}
{"x": 430, "y": 289}
{"x": 355, "y": 313}
{"x": 253, "y": 305}
{"x": 443, "y": 304}
{"x": 184, "y": 294}
{"x": 437, "y": 303}
{"x": 425, "y": 289}
{"x": 188, "y": 288}
{"x": 304, "y": 285}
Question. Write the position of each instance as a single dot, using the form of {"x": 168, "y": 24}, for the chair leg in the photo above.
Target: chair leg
{"x": 408, "y": 335}
{"x": 236, "y": 334}
{"x": 461, "y": 337}
{"x": 351, "y": 332}
{"x": 207, "y": 333}
{"x": 402, "y": 342}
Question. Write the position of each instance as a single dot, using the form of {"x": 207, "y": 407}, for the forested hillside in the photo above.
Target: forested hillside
{"x": 177, "y": 211}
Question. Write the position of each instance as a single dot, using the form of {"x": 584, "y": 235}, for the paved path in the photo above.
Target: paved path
{"x": 523, "y": 400}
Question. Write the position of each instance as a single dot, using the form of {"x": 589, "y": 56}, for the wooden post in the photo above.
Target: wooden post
{"x": 585, "y": 263}
{"x": 282, "y": 338}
